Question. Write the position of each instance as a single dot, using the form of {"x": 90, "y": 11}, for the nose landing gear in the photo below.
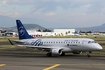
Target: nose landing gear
{"x": 88, "y": 54}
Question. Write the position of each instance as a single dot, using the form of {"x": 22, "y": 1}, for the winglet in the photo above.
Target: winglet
{"x": 10, "y": 42}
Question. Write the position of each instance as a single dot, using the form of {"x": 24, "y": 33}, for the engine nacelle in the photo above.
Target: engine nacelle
{"x": 56, "y": 51}
{"x": 77, "y": 52}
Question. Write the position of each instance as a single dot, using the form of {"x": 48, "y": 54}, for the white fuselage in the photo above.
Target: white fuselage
{"x": 67, "y": 44}
{"x": 54, "y": 45}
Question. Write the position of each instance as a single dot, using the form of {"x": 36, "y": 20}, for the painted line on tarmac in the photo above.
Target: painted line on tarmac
{"x": 85, "y": 64}
{"x": 2, "y": 65}
{"x": 51, "y": 67}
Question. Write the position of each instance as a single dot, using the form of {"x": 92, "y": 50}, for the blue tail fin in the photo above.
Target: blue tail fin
{"x": 23, "y": 34}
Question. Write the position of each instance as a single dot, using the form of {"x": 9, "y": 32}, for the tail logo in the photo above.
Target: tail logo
{"x": 21, "y": 31}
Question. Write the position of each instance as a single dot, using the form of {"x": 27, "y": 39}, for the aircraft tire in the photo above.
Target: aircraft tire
{"x": 88, "y": 56}
{"x": 63, "y": 54}
{"x": 49, "y": 54}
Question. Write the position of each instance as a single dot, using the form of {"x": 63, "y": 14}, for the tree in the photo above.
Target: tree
{"x": 39, "y": 30}
{"x": 46, "y": 30}
{"x": 66, "y": 33}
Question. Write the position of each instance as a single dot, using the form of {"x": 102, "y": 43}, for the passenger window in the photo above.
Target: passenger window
{"x": 89, "y": 41}
{"x": 93, "y": 42}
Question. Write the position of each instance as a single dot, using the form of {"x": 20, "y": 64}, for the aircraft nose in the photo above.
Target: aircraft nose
{"x": 98, "y": 47}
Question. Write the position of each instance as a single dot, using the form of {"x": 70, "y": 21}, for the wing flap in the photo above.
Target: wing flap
{"x": 13, "y": 42}
{"x": 41, "y": 47}
{"x": 18, "y": 42}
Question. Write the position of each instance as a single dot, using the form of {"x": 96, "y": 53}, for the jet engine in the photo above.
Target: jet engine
{"x": 56, "y": 51}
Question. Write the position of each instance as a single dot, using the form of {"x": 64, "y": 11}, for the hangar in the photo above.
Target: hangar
{"x": 64, "y": 32}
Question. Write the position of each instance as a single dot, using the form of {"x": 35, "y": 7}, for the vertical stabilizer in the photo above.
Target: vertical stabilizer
{"x": 23, "y": 34}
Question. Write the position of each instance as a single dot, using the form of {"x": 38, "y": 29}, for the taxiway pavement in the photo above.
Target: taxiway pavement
{"x": 38, "y": 61}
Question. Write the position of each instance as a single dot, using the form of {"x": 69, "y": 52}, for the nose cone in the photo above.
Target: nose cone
{"x": 98, "y": 47}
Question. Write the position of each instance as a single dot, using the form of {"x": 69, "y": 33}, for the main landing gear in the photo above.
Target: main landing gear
{"x": 63, "y": 54}
{"x": 88, "y": 54}
{"x": 49, "y": 54}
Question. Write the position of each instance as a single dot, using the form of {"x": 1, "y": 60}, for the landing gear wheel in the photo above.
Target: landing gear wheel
{"x": 63, "y": 54}
{"x": 49, "y": 54}
{"x": 88, "y": 54}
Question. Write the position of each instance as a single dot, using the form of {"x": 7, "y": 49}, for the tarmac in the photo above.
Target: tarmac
{"x": 12, "y": 60}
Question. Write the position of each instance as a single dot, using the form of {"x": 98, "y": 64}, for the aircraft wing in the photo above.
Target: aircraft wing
{"x": 41, "y": 47}
{"x": 13, "y": 42}
{"x": 22, "y": 44}
{"x": 48, "y": 48}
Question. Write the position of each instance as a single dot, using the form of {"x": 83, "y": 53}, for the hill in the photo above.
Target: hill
{"x": 95, "y": 28}
{"x": 36, "y": 26}
{"x": 27, "y": 26}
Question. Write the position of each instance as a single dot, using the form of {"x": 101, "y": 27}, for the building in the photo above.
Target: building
{"x": 64, "y": 32}
{"x": 35, "y": 33}
{"x": 10, "y": 34}
{"x": 2, "y": 32}
{"x": 56, "y": 32}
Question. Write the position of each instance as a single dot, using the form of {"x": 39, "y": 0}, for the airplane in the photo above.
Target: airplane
{"x": 55, "y": 46}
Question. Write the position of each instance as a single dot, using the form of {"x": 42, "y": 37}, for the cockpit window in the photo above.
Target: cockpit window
{"x": 91, "y": 42}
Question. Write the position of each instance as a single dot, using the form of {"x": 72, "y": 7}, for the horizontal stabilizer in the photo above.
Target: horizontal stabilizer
{"x": 10, "y": 42}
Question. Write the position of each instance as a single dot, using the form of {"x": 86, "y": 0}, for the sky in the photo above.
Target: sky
{"x": 54, "y": 13}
